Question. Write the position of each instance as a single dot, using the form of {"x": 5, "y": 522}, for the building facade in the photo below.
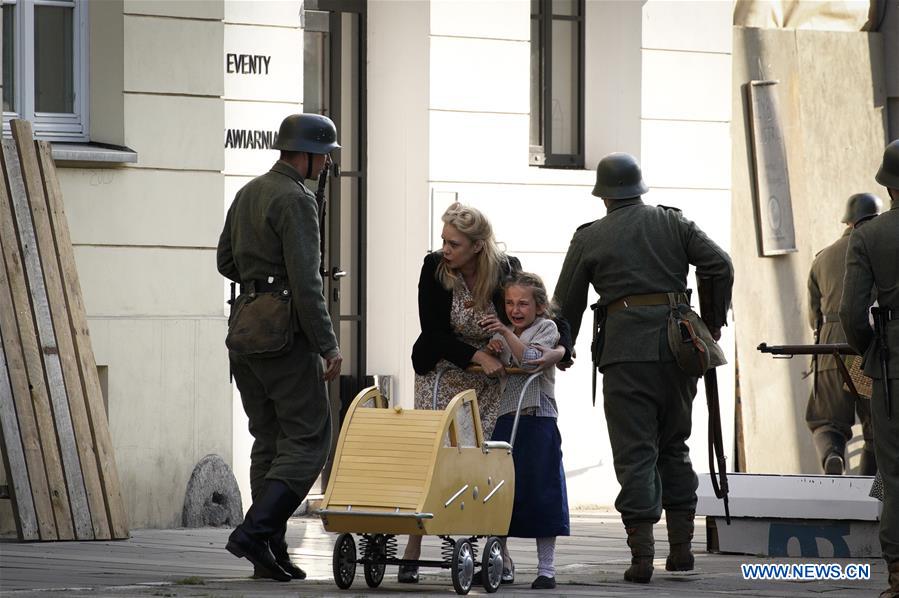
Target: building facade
{"x": 506, "y": 105}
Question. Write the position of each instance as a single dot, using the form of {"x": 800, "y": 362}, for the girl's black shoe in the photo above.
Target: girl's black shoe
{"x": 544, "y": 583}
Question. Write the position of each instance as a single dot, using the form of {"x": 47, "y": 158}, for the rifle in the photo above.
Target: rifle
{"x": 322, "y": 201}
{"x": 818, "y": 324}
{"x": 717, "y": 458}
{"x": 835, "y": 349}
{"x": 881, "y": 317}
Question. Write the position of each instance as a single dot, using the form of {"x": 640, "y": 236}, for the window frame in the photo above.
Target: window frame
{"x": 51, "y": 126}
{"x": 542, "y": 155}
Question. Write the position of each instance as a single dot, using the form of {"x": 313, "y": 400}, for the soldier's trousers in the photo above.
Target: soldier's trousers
{"x": 286, "y": 402}
{"x": 831, "y": 415}
{"x": 648, "y": 407}
{"x": 886, "y": 448}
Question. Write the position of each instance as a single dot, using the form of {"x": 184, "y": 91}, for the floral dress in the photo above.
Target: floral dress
{"x": 464, "y": 317}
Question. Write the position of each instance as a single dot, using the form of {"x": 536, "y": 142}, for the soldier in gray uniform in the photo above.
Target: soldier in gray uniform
{"x": 831, "y": 410}
{"x": 873, "y": 262}
{"x": 636, "y": 258}
{"x": 270, "y": 245}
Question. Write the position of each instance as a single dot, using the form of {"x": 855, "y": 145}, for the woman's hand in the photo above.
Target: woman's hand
{"x": 492, "y": 366}
{"x": 549, "y": 358}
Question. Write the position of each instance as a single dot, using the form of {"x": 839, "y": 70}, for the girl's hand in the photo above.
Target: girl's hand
{"x": 492, "y": 366}
{"x": 549, "y": 358}
{"x": 492, "y": 324}
{"x": 494, "y": 347}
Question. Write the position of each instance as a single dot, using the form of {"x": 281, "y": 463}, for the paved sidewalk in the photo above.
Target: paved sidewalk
{"x": 193, "y": 562}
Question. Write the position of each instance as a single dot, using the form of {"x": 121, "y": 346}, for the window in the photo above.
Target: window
{"x": 45, "y": 57}
{"x": 557, "y": 83}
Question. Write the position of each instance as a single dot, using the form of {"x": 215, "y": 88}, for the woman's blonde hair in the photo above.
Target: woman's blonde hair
{"x": 475, "y": 226}
{"x": 535, "y": 283}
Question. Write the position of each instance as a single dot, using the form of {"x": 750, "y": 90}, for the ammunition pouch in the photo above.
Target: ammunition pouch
{"x": 260, "y": 324}
{"x": 689, "y": 339}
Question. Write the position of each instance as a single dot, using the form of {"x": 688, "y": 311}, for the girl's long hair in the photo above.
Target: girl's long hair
{"x": 475, "y": 226}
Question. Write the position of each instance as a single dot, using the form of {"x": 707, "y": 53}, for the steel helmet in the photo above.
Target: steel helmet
{"x": 618, "y": 176}
{"x": 861, "y": 206}
{"x": 888, "y": 175}
{"x": 309, "y": 133}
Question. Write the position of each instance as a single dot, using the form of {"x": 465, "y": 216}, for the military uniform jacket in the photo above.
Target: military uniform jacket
{"x": 638, "y": 249}
{"x": 825, "y": 289}
{"x": 272, "y": 230}
{"x": 872, "y": 261}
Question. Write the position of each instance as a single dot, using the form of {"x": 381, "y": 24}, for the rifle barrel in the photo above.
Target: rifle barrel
{"x": 822, "y": 349}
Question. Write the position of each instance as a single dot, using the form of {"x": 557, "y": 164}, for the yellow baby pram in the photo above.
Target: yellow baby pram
{"x": 420, "y": 472}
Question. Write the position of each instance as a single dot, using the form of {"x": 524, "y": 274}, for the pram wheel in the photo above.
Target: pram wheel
{"x": 376, "y": 551}
{"x": 344, "y": 561}
{"x": 462, "y": 566}
{"x": 492, "y": 564}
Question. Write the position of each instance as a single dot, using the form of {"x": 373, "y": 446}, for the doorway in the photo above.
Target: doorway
{"x": 334, "y": 75}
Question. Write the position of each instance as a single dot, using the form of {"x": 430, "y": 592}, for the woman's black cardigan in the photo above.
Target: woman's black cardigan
{"x": 437, "y": 340}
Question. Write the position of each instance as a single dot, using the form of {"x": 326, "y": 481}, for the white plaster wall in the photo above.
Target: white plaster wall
{"x": 145, "y": 237}
{"x": 661, "y": 96}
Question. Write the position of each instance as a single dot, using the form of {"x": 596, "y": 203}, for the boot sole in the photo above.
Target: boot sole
{"x": 240, "y": 553}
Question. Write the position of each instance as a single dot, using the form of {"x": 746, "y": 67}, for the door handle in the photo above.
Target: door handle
{"x": 338, "y": 274}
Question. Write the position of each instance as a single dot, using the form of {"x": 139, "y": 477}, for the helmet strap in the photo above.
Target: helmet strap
{"x": 308, "y": 165}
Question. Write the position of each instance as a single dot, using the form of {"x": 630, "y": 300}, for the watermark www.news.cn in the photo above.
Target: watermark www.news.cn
{"x": 806, "y": 571}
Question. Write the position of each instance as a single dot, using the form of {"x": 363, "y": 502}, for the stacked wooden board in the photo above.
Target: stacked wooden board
{"x": 56, "y": 445}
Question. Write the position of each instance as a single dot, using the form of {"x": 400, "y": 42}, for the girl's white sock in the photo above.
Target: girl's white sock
{"x": 546, "y": 554}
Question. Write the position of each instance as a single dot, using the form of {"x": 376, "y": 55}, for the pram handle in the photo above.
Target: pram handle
{"x": 476, "y": 369}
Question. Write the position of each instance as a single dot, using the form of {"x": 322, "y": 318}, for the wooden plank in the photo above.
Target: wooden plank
{"x": 350, "y": 472}
{"x": 93, "y": 394}
{"x": 90, "y": 524}
{"x": 14, "y": 455}
{"x": 379, "y": 487}
{"x": 407, "y": 440}
{"x": 31, "y": 302}
{"x": 37, "y": 492}
{"x": 59, "y": 524}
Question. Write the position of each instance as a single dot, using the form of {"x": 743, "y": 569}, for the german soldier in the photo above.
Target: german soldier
{"x": 831, "y": 410}
{"x": 270, "y": 247}
{"x": 872, "y": 262}
{"x": 637, "y": 258}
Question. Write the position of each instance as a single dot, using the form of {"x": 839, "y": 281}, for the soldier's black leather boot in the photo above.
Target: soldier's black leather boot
{"x": 278, "y": 546}
{"x": 642, "y": 544}
{"x": 266, "y": 517}
{"x": 893, "y": 590}
{"x": 680, "y": 537}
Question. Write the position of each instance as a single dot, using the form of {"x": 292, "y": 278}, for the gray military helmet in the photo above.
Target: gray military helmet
{"x": 618, "y": 176}
{"x": 888, "y": 175}
{"x": 861, "y": 206}
{"x": 309, "y": 133}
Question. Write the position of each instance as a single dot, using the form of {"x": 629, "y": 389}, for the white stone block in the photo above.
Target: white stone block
{"x": 280, "y": 13}
{"x": 694, "y": 155}
{"x": 457, "y": 151}
{"x": 189, "y": 9}
{"x": 142, "y": 206}
{"x": 480, "y": 75}
{"x": 491, "y": 19}
{"x": 701, "y": 25}
{"x": 263, "y": 63}
{"x": 138, "y": 281}
{"x": 177, "y": 132}
{"x": 173, "y": 56}
{"x": 686, "y": 86}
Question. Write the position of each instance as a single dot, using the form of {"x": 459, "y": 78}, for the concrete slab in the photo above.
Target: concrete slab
{"x": 193, "y": 562}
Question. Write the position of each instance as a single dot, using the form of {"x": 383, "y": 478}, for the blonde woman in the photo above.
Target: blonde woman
{"x": 460, "y": 286}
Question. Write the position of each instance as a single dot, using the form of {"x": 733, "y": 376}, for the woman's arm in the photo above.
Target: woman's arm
{"x": 436, "y": 340}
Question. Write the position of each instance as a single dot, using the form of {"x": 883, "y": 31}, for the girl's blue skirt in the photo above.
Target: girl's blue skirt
{"x": 541, "y": 499}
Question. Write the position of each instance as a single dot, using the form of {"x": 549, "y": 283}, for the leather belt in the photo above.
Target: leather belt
{"x": 645, "y": 300}
{"x": 271, "y": 285}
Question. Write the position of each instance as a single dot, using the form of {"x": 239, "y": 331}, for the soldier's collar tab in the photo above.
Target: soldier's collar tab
{"x": 282, "y": 167}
